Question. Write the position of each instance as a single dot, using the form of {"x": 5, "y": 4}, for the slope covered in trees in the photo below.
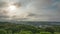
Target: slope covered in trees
{"x": 12, "y": 28}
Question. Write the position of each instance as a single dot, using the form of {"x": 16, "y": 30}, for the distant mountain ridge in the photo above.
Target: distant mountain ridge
{"x": 35, "y": 23}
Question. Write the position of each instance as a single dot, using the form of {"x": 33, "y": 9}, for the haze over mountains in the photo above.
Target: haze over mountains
{"x": 34, "y": 23}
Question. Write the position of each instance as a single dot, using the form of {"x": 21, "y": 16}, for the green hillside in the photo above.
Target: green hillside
{"x": 12, "y": 28}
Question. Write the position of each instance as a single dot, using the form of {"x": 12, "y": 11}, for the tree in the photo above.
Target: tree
{"x": 50, "y": 29}
{"x": 2, "y": 31}
{"x": 25, "y": 32}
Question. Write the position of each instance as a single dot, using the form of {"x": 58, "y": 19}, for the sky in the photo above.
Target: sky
{"x": 30, "y": 10}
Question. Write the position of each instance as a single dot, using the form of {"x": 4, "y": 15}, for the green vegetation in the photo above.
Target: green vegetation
{"x": 12, "y": 28}
{"x": 45, "y": 33}
{"x": 2, "y": 31}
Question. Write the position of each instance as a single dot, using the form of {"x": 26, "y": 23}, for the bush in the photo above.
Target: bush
{"x": 25, "y": 32}
{"x": 37, "y": 33}
{"x": 2, "y": 31}
{"x": 56, "y": 33}
{"x": 45, "y": 33}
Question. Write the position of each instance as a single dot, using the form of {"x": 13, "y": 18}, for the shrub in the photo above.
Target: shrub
{"x": 25, "y": 32}
{"x": 56, "y": 33}
{"x": 45, "y": 33}
{"x": 2, "y": 31}
{"x": 37, "y": 33}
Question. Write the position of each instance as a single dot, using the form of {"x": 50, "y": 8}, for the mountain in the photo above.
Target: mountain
{"x": 34, "y": 23}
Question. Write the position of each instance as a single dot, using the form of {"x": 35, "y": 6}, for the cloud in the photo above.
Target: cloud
{"x": 33, "y": 10}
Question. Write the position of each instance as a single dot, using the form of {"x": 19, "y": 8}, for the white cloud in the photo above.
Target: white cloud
{"x": 35, "y": 10}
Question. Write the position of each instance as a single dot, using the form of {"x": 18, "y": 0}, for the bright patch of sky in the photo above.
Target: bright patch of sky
{"x": 32, "y": 10}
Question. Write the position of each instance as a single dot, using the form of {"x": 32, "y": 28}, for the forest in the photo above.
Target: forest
{"x": 13, "y": 28}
